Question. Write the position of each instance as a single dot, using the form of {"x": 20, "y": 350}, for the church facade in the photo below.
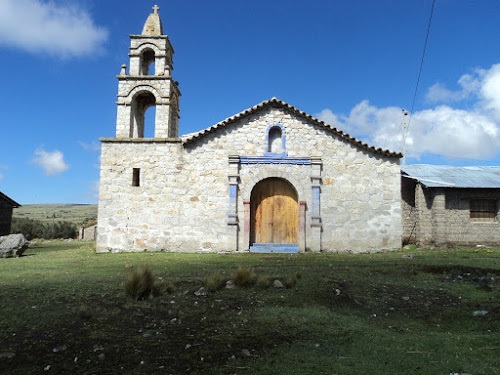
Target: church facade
{"x": 269, "y": 179}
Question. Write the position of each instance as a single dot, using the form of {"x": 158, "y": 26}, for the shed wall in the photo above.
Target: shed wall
{"x": 5, "y": 217}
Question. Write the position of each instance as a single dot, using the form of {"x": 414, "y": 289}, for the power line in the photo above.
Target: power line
{"x": 405, "y": 129}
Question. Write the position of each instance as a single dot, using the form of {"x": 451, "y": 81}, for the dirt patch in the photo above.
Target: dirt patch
{"x": 485, "y": 278}
{"x": 384, "y": 299}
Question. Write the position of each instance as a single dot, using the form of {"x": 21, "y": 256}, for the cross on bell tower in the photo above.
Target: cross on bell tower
{"x": 148, "y": 83}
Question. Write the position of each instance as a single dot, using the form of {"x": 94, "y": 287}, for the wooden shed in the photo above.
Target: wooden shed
{"x": 7, "y": 205}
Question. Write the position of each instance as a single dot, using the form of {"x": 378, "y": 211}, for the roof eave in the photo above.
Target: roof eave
{"x": 279, "y": 103}
{"x": 11, "y": 201}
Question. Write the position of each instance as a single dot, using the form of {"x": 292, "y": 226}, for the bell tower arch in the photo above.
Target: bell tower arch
{"x": 148, "y": 83}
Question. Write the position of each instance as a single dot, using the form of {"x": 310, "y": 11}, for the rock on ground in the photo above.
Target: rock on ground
{"x": 13, "y": 245}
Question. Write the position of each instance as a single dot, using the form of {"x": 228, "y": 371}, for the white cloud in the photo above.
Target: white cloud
{"x": 2, "y": 176}
{"x": 470, "y": 85}
{"x": 92, "y": 146}
{"x": 490, "y": 90}
{"x": 329, "y": 117}
{"x": 56, "y": 28}
{"x": 472, "y": 133}
{"x": 52, "y": 163}
{"x": 453, "y": 132}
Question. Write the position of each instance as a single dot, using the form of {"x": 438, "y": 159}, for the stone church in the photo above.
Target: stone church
{"x": 271, "y": 178}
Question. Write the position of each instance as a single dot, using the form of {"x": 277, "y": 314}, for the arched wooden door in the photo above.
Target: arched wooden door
{"x": 274, "y": 212}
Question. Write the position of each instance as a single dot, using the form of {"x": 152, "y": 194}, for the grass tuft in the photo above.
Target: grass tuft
{"x": 264, "y": 282}
{"x": 84, "y": 313}
{"x": 214, "y": 282}
{"x": 140, "y": 284}
{"x": 244, "y": 276}
{"x": 161, "y": 289}
{"x": 290, "y": 281}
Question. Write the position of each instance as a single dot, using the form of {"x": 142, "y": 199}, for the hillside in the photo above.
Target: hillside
{"x": 76, "y": 213}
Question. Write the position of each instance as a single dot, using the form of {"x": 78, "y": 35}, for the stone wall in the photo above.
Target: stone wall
{"x": 88, "y": 233}
{"x": 183, "y": 202}
{"x": 460, "y": 229}
{"x": 443, "y": 216}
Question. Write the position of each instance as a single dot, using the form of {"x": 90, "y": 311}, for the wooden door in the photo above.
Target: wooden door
{"x": 274, "y": 212}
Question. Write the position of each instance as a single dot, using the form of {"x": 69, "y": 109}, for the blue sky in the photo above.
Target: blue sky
{"x": 351, "y": 63}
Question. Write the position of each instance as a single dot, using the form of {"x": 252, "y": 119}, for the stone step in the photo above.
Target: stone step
{"x": 274, "y": 248}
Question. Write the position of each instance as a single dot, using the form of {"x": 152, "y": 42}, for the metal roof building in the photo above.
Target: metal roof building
{"x": 448, "y": 205}
{"x": 433, "y": 176}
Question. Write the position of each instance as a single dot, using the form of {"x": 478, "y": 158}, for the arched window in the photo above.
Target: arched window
{"x": 140, "y": 104}
{"x": 276, "y": 145}
{"x": 147, "y": 62}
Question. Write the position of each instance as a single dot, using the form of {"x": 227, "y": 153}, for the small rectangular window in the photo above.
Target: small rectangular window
{"x": 136, "y": 177}
{"x": 483, "y": 209}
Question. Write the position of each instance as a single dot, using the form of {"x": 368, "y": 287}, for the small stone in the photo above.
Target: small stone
{"x": 201, "y": 292}
{"x": 60, "y": 348}
{"x": 277, "y": 284}
{"x": 245, "y": 353}
{"x": 7, "y": 355}
{"x": 230, "y": 284}
{"x": 101, "y": 357}
{"x": 47, "y": 368}
{"x": 479, "y": 313}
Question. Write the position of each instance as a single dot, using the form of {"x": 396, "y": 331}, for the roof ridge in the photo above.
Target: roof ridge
{"x": 274, "y": 100}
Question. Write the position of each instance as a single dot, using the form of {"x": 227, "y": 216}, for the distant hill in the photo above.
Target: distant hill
{"x": 76, "y": 213}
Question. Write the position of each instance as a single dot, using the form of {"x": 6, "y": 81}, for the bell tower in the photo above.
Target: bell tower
{"x": 148, "y": 83}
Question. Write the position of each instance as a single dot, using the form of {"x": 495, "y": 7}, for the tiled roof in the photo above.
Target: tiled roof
{"x": 453, "y": 177}
{"x": 274, "y": 102}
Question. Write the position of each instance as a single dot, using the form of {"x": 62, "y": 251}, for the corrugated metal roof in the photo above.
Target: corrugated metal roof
{"x": 454, "y": 177}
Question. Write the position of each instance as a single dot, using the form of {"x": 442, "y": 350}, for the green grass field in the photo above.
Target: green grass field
{"x": 75, "y": 213}
{"x": 63, "y": 309}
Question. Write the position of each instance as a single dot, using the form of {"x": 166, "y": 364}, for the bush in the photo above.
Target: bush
{"x": 244, "y": 276}
{"x": 38, "y": 229}
{"x": 140, "y": 284}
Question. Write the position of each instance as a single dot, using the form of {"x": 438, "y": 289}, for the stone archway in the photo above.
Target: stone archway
{"x": 274, "y": 213}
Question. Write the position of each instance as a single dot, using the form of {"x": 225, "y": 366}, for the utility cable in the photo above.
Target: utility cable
{"x": 405, "y": 130}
